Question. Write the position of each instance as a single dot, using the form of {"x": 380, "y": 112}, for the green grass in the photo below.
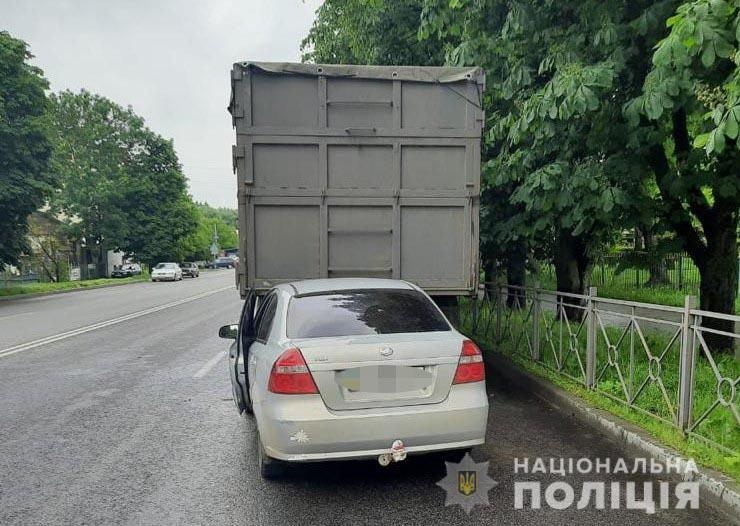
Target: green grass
{"x": 650, "y": 410}
{"x": 664, "y": 295}
{"x": 36, "y": 288}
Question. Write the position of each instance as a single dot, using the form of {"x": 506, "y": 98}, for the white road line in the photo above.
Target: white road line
{"x": 210, "y": 364}
{"x": 107, "y": 323}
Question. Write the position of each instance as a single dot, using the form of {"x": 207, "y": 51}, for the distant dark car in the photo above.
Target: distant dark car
{"x": 126, "y": 271}
{"x": 225, "y": 262}
{"x": 190, "y": 269}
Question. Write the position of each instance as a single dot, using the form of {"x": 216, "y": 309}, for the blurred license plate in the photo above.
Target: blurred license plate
{"x": 384, "y": 379}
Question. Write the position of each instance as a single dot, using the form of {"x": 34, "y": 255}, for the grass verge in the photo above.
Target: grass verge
{"x": 646, "y": 294}
{"x": 38, "y": 288}
{"x": 562, "y": 362}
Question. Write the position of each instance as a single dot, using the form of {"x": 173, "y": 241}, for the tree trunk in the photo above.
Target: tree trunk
{"x": 656, "y": 262}
{"x": 716, "y": 253}
{"x": 489, "y": 270}
{"x": 572, "y": 270}
{"x": 719, "y": 282}
{"x": 515, "y": 274}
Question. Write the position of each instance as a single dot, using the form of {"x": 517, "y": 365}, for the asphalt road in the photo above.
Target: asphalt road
{"x": 132, "y": 422}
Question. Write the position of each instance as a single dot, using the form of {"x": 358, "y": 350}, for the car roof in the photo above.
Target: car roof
{"x": 317, "y": 286}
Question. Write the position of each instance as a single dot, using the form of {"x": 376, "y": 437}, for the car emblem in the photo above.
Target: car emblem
{"x": 386, "y": 351}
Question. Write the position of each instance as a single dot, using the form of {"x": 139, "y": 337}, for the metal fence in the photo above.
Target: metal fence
{"x": 637, "y": 269}
{"x": 24, "y": 276}
{"x": 653, "y": 359}
{"x": 31, "y": 272}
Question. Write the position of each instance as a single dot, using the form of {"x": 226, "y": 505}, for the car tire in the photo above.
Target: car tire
{"x": 270, "y": 468}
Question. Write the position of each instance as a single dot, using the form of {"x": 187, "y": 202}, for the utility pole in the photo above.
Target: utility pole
{"x": 214, "y": 244}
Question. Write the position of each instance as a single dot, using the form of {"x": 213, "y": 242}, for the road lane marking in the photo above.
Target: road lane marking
{"x": 107, "y": 323}
{"x": 210, "y": 364}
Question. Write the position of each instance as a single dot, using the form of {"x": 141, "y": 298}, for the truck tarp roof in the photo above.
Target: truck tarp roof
{"x": 408, "y": 73}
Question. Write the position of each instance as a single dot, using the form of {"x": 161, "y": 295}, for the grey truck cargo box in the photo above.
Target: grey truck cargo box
{"x": 357, "y": 171}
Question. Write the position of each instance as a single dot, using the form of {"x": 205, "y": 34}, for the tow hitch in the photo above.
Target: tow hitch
{"x": 396, "y": 454}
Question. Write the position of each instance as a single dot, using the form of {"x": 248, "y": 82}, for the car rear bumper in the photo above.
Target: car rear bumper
{"x": 301, "y": 428}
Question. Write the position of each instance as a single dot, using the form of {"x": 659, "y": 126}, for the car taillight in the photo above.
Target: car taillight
{"x": 290, "y": 375}
{"x": 470, "y": 367}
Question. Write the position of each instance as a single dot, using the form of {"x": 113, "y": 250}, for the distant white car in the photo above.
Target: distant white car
{"x": 167, "y": 272}
{"x": 337, "y": 369}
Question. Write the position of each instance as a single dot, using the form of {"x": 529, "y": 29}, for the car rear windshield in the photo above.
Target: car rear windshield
{"x": 360, "y": 312}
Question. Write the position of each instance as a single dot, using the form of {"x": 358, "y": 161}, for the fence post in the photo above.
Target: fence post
{"x": 498, "y": 313}
{"x": 686, "y": 367}
{"x": 536, "y": 316}
{"x": 591, "y": 339}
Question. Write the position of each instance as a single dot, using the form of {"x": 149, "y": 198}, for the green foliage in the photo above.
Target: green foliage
{"x": 222, "y": 220}
{"x": 690, "y": 99}
{"x": 122, "y": 183}
{"x": 698, "y": 62}
{"x": 25, "y": 149}
{"x": 593, "y": 108}
{"x": 227, "y": 216}
{"x": 558, "y": 74}
{"x": 369, "y": 32}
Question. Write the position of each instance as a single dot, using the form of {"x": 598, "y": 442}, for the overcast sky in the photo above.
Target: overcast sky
{"x": 168, "y": 59}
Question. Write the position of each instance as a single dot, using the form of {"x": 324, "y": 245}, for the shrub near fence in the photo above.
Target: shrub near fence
{"x": 652, "y": 359}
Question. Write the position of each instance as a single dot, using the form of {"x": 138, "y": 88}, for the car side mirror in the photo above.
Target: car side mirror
{"x": 230, "y": 332}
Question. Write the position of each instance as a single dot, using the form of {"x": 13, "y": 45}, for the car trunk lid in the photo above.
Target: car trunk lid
{"x": 390, "y": 370}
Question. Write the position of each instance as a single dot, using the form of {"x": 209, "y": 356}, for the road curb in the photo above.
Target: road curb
{"x": 714, "y": 486}
{"x": 11, "y": 297}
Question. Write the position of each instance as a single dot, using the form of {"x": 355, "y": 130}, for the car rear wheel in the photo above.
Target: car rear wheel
{"x": 270, "y": 468}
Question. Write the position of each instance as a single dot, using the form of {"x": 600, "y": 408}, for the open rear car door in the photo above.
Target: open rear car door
{"x": 237, "y": 354}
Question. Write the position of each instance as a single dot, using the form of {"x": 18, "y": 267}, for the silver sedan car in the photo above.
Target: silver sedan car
{"x": 354, "y": 368}
{"x": 166, "y": 272}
